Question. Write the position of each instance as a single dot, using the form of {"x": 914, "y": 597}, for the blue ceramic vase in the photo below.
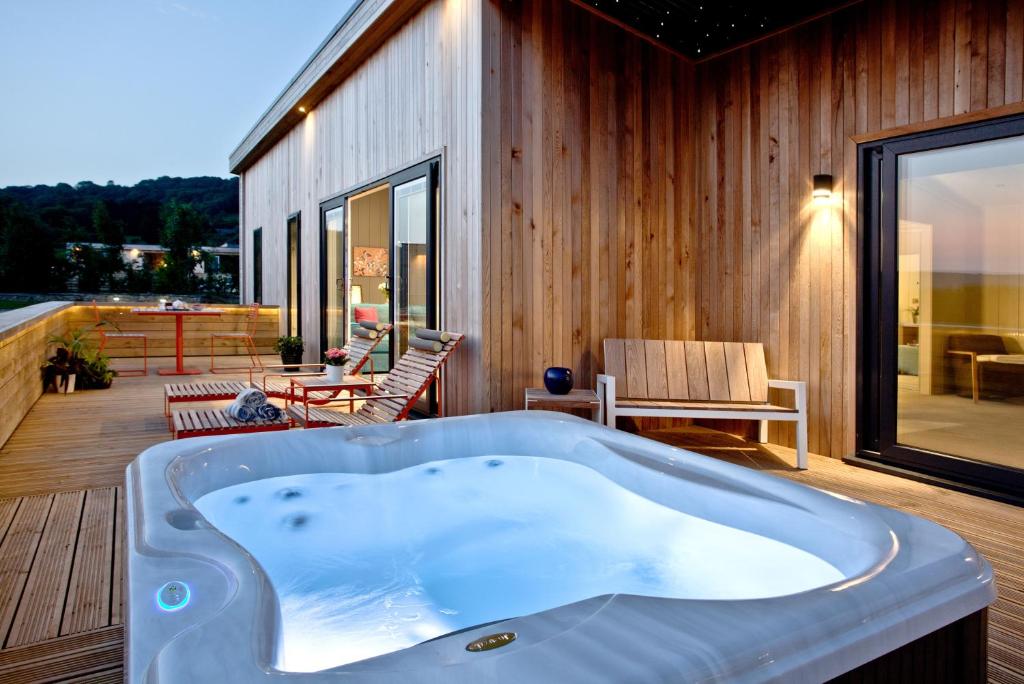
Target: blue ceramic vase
{"x": 558, "y": 380}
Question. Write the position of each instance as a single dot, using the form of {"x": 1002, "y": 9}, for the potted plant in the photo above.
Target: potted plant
{"x": 75, "y": 365}
{"x": 290, "y": 349}
{"x": 335, "y": 358}
{"x": 96, "y": 372}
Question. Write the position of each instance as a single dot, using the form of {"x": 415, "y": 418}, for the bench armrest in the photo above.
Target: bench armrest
{"x": 798, "y": 387}
{"x": 605, "y": 387}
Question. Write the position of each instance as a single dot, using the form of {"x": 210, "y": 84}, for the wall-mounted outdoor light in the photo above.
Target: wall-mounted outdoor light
{"x": 302, "y": 110}
{"x": 822, "y": 188}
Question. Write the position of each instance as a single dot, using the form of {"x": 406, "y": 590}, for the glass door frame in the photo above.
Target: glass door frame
{"x": 339, "y": 202}
{"x": 297, "y": 323}
{"x": 431, "y": 169}
{"x": 878, "y": 315}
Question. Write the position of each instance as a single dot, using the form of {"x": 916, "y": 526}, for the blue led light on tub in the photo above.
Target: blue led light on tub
{"x": 173, "y": 596}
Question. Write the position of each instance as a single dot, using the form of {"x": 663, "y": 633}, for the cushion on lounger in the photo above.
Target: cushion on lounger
{"x": 365, "y": 313}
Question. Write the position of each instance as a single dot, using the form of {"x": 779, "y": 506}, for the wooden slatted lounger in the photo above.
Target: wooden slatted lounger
{"x": 207, "y": 422}
{"x": 397, "y": 395}
{"x": 360, "y": 348}
{"x": 201, "y": 391}
{"x": 715, "y": 380}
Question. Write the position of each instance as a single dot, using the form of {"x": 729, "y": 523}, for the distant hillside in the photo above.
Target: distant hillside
{"x": 67, "y": 209}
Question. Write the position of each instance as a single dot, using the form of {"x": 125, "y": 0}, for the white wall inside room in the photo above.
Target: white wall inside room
{"x": 370, "y": 226}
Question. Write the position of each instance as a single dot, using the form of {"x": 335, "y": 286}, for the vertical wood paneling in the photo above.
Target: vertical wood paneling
{"x": 596, "y": 186}
{"x": 858, "y": 71}
{"x": 588, "y": 179}
{"x": 416, "y": 96}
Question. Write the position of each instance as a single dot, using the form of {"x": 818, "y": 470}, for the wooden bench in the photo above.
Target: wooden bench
{"x": 206, "y": 422}
{"x": 687, "y": 379}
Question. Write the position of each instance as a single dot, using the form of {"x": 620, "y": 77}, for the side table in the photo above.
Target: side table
{"x": 540, "y": 398}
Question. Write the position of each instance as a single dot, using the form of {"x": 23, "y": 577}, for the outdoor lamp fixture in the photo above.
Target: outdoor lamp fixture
{"x": 822, "y": 188}
{"x": 302, "y": 110}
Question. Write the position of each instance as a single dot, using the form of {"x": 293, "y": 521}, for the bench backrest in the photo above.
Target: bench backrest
{"x": 687, "y": 371}
{"x": 977, "y": 343}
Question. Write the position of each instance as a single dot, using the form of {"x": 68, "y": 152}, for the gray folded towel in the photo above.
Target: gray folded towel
{"x": 251, "y": 397}
{"x": 242, "y": 412}
{"x": 268, "y": 412}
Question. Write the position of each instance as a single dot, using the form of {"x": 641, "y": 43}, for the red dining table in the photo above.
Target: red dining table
{"x": 179, "y": 335}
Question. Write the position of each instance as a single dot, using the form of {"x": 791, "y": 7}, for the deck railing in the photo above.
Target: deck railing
{"x": 24, "y": 347}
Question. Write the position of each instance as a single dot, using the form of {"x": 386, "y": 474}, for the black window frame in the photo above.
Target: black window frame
{"x": 297, "y": 218}
{"x": 339, "y": 202}
{"x": 257, "y": 265}
{"x": 877, "y": 320}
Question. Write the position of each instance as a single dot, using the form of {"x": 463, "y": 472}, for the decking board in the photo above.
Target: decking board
{"x": 88, "y": 605}
{"x": 94, "y": 657}
{"x": 18, "y": 553}
{"x": 42, "y": 603}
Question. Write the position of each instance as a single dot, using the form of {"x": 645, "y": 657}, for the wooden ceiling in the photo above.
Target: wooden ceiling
{"x": 702, "y": 28}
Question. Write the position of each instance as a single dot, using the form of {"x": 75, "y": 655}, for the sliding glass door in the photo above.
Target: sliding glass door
{"x": 378, "y": 261}
{"x": 943, "y": 345}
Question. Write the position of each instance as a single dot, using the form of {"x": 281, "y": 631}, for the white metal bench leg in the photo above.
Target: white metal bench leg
{"x": 801, "y": 426}
{"x": 606, "y": 395}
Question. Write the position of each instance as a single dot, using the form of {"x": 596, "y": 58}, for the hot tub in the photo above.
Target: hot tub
{"x": 515, "y": 547}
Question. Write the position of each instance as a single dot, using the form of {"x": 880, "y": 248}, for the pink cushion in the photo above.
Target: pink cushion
{"x": 365, "y": 313}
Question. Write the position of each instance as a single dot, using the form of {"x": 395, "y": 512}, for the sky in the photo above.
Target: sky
{"x": 125, "y": 90}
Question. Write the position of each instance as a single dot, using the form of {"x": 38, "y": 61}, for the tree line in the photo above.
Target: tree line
{"x": 37, "y": 225}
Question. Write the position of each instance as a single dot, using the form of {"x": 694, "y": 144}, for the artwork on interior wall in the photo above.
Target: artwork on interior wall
{"x": 370, "y": 262}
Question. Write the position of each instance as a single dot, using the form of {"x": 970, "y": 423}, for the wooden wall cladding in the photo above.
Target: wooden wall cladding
{"x": 23, "y": 350}
{"x": 160, "y": 330}
{"x": 774, "y": 268}
{"x": 588, "y": 194}
{"x": 416, "y": 97}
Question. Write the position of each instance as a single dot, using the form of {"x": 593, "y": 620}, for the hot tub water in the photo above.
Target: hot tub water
{"x": 369, "y": 564}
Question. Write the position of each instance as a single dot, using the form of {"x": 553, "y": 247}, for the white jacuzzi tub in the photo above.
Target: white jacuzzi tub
{"x": 381, "y": 553}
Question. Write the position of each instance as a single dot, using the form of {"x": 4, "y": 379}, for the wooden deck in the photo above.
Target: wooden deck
{"x": 61, "y": 529}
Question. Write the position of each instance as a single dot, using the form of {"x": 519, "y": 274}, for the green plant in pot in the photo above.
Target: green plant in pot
{"x": 75, "y": 365}
{"x": 290, "y": 349}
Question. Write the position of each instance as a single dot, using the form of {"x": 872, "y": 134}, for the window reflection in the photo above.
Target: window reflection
{"x": 960, "y": 356}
